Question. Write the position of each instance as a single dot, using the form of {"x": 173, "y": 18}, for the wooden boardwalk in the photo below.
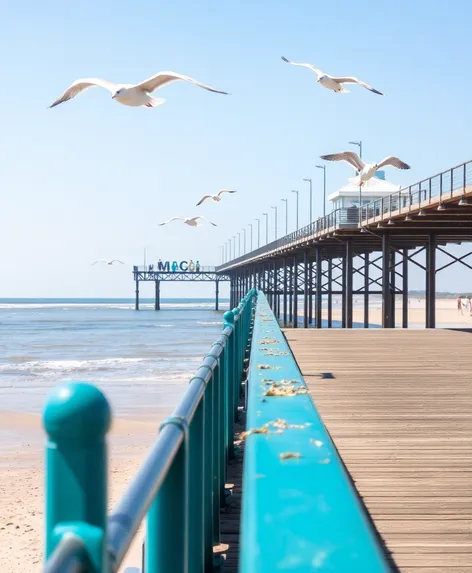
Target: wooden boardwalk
{"x": 399, "y": 410}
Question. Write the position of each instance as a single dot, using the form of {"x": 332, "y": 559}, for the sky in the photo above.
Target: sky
{"x": 92, "y": 179}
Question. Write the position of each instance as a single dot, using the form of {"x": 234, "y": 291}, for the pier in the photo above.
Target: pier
{"x": 202, "y": 274}
{"x": 363, "y": 252}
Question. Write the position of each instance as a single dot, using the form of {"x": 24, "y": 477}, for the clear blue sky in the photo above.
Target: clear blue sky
{"x": 92, "y": 178}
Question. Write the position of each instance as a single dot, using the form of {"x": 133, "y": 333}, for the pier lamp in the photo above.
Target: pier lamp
{"x": 239, "y": 244}
{"x": 250, "y": 246}
{"x": 226, "y": 251}
{"x": 258, "y": 232}
{"x": 266, "y": 215}
{"x": 308, "y": 180}
{"x": 244, "y": 243}
{"x": 295, "y": 191}
{"x": 324, "y": 187}
{"x": 275, "y": 209}
{"x": 234, "y": 246}
{"x": 359, "y": 145}
{"x": 286, "y": 215}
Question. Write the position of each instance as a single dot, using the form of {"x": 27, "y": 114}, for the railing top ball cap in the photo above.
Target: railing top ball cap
{"x": 76, "y": 411}
{"x": 229, "y": 316}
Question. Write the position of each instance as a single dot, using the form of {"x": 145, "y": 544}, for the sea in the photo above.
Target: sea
{"x": 141, "y": 359}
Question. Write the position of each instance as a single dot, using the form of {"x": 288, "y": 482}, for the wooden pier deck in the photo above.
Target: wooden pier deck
{"x": 399, "y": 410}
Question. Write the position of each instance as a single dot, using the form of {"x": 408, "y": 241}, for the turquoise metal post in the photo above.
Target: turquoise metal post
{"x": 216, "y": 467}
{"x": 208, "y": 481}
{"x": 234, "y": 382}
{"x": 195, "y": 506}
{"x": 166, "y": 521}
{"x": 76, "y": 418}
{"x": 223, "y": 388}
{"x": 230, "y": 320}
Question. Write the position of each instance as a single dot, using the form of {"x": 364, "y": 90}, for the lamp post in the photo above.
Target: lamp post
{"x": 222, "y": 254}
{"x": 295, "y": 191}
{"x": 234, "y": 246}
{"x": 359, "y": 145}
{"x": 239, "y": 244}
{"x": 250, "y": 224}
{"x": 311, "y": 198}
{"x": 266, "y": 215}
{"x": 286, "y": 215}
{"x": 275, "y": 230}
{"x": 323, "y": 167}
{"x": 226, "y": 251}
{"x": 244, "y": 243}
{"x": 258, "y": 232}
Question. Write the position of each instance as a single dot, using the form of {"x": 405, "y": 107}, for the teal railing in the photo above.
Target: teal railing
{"x": 300, "y": 511}
{"x": 180, "y": 487}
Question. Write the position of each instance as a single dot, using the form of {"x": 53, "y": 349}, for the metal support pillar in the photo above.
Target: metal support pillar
{"x": 366, "y": 290}
{"x": 431, "y": 282}
{"x": 136, "y": 304}
{"x": 386, "y": 304}
{"x": 285, "y": 291}
{"x": 217, "y": 294}
{"x": 330, "y": 292}
{"x": 392, "y": 287}
{"x": 349, "y": 274}
{"x": 274, "y": 287}
{"x": 318, "y": 293}
{"x": 343, "y": 293}
{"x": 157, "y": 299}
{"x": 290, "y": 293}
{"x": 405, "y": 289}
{"x": 295, "y": 293}
{"x": 310, "y": 293}
{"x": 306, "y": 288}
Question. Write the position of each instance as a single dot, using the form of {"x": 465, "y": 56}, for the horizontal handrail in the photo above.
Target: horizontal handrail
{"x": 299, "y": 509}
{"x": 187, "y": 462}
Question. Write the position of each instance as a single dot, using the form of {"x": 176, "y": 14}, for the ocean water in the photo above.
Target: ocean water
{"x": 140, "y": 359}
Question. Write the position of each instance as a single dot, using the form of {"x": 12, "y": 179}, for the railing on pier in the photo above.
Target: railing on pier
{"x": 154, "y": 268}
{"x": 450, "y": 183}
{"x": 300, "y": 510}
{"x": 180, "y": 487}
{"x": 444, "y": 185}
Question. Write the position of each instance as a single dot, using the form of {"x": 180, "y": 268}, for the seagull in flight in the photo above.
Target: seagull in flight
{"x": 216, "y": 197}
{"x": 331, "y": 82}
{"x": 107, "y": 262}
{"x": 191, "y": 221}
{"x": 134, "y": 95}
{"x": 365, "y": 171}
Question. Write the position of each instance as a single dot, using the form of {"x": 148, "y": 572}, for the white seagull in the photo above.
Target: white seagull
{"x": 107, "y": 262}
{"x": 365, "y": 171}
{"x": 331, "y": 82}
{"x": 216, "y": 197}
{"x": 192, "y": 221}
{"x": 131, "y": 94}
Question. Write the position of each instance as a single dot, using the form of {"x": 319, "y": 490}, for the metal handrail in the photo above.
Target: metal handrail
{"x": 196, "y": 441}
{"x": 443, "y": 184}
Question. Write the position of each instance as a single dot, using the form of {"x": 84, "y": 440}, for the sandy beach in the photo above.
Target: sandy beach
{"x": 22, "y": 483}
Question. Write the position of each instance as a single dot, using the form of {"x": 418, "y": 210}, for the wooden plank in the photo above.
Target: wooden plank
{"x": 399, "y": 410}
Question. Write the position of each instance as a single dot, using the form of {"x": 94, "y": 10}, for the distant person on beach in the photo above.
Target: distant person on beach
{"x": 469, "y": 300}
{"x": 459, "y": 304}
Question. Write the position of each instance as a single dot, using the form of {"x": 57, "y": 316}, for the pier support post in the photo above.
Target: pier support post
{"x": 349, "y": 281}
{"x": 136, "y": 303}
{"x": 157, "y": 300}
{"x": 386, "y": 305}
{"x": 285, "y": 291}
{"x": 405, "y": 289}
{"x": 295, "y": 292}
{"x": 217, "y": 294}
{"x": 275, "y": 286}
{"x": 330, "y": 293}
{"x": 306, "y": 288}
{"x": 392, "y": 287}
{"x": 290, "y": 293}
{"x": 431, "y": 282}
{"x": 343, "y": 292}
{"x": 366, "y": 290}
{"x": 318, "y": 293}
{"x": 310, "y": 292}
